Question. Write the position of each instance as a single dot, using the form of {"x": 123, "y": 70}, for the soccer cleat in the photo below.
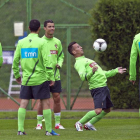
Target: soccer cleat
{"x": 48, "y": 133}
{"x": 78, "y": 126}
{"x": 59, "y": 127}
{"x": 89, "y": 126}
{"x": 21, "y": 133}
{"x": 52, "y": 133}
{"x": 39, "y": 127}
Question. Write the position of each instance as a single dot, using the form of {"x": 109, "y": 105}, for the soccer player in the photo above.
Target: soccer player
{"x": 1, "y": 58}
{"x": 90, "y": 71}
{"x": 55, "y": 48}
{"x": 135, "y": 51}
{"x": 33, "y": 56}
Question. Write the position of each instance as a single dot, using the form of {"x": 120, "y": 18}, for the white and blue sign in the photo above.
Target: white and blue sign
{"x": 29, "y": 53}
{"x": 8, "y": 57}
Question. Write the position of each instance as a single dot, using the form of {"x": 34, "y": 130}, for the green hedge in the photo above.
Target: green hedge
{"x": 117, "y": 21}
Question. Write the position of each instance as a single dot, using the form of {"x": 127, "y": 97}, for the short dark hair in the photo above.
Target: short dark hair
{"x": 34, "y": 25}
{"x": 47, "y": 21}
{"x": 70, "y": 47}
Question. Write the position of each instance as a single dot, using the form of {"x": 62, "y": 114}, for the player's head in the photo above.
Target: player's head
{"x": 34, "y": 25}
{"x": 49, "y": 28}
{"x": 75, "y": 49}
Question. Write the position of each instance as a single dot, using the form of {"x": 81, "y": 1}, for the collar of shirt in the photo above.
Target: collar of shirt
{"x": 33, "y": 35}
{"x": 77, "y": 58}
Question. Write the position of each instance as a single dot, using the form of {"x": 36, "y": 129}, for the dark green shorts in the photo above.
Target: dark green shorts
{"x": 35, "y": 92}
{"x": 101, "y": 98}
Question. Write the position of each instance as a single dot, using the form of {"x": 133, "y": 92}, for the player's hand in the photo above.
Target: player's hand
{"x": 57, "y": 66}
{"x": 94, "y": 69}
{"x": 52, "y": 83}
{"x": 18, "y": 80}
{"x": 121, "y": 70}
{"x": 132, "y": 81}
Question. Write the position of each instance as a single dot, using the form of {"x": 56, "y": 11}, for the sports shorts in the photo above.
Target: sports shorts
{"x": 35, "y": 92}
{"x": 56, "y": 88}
{"x": 101, "y": 97}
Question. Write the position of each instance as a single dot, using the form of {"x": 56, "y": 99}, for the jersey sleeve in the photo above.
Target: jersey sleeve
{"x": 111, "y": 73}
{"x": 47, "y": 61}
{"x": 81, "y": 69}
{"x": 60, "y": 55}
{"x": 1, "y": 58}
{"x": 16, "y": 61}
{"x": 133, "y": 60}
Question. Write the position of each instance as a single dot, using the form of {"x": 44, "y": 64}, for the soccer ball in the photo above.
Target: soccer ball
{"x": 100, "y": 45}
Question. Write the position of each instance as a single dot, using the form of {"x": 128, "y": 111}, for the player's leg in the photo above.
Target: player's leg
{"x": 57, "y": 110}
{"x": 25, "y": 95}
{"x": 42, "y": 92}
{"x": 106, "y": 105}
{"x": 39, "y": 116}
{"x": 56, "y": 89}
{"x": 21, "y": 116}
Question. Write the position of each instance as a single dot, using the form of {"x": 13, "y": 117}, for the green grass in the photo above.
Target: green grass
{"x": 115, "y": 126}
{"x": 107, "y": 129}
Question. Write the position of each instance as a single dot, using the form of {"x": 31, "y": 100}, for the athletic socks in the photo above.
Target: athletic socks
{"x": 48, "y": 119}
{"x": 39, "y": 119}
{"x": 88, "y": 116}
{"x": 21, "y": 119}
{"x": 98, "y": 117}
{"x": 57, "y": 117}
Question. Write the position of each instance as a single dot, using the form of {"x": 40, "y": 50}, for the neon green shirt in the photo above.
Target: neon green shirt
{"x": 55, "y": 47}
{"x": 34, "y": 58}
{"x": 135, "y": 51}
{"x": 1, "y": 58}
{"x": 95, "y": 80}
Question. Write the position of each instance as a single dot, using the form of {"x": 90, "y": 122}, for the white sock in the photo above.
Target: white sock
{"x": 57, "y": 114}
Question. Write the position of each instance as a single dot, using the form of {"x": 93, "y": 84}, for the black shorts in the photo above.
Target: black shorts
{"x": 101, "y": 98}
{"x": 35, "y": 92}
{"x": 56, "y": 88}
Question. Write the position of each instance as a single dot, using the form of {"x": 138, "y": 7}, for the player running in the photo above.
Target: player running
{"x": 90, "y": 71}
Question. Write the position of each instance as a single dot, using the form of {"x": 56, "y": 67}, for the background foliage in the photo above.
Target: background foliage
{"x": 117, "y": 21}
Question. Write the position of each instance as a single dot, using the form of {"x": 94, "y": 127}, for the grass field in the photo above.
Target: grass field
{"x": 115, "y": 126}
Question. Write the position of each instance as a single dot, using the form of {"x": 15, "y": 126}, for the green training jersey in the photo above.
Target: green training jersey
{"x": 34, "y": 58}
{"x": 1, "y": 58}
{"x": 98, "y": 79}
{"x": 135, "y": 51}
{"x": 55, "y": 47}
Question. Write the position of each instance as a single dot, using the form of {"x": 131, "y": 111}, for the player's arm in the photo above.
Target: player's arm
{"x": 81, "y": 69}
{"x": 133, "y": 60}
{"x": 47, "y": 61}
{"x": 1, "y": 58}
{"x": 16, "y": 61}
{"x": 60, "y": 57}
{"x": 113, "y": 72}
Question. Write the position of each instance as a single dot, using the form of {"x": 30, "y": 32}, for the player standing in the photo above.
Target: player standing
{"x": 1, "y": 58}
{"x": 55, "y": 48}
{"x": 135, "y": 51}
{"x": 33, "y": 56}
{"x": 90, "y": 71}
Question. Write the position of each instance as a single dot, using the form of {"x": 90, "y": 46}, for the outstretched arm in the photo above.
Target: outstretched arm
{"x": 113, "y": 72}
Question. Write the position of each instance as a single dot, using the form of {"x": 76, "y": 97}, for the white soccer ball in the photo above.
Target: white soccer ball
{"x": 100, "y": 45}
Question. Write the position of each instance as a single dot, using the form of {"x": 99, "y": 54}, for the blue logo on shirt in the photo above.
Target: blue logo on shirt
{"x": 139, "y": 45}
{"x": 29, "y": 53}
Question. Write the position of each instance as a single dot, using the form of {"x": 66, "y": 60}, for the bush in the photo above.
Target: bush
{"x": 117, "y": 22}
